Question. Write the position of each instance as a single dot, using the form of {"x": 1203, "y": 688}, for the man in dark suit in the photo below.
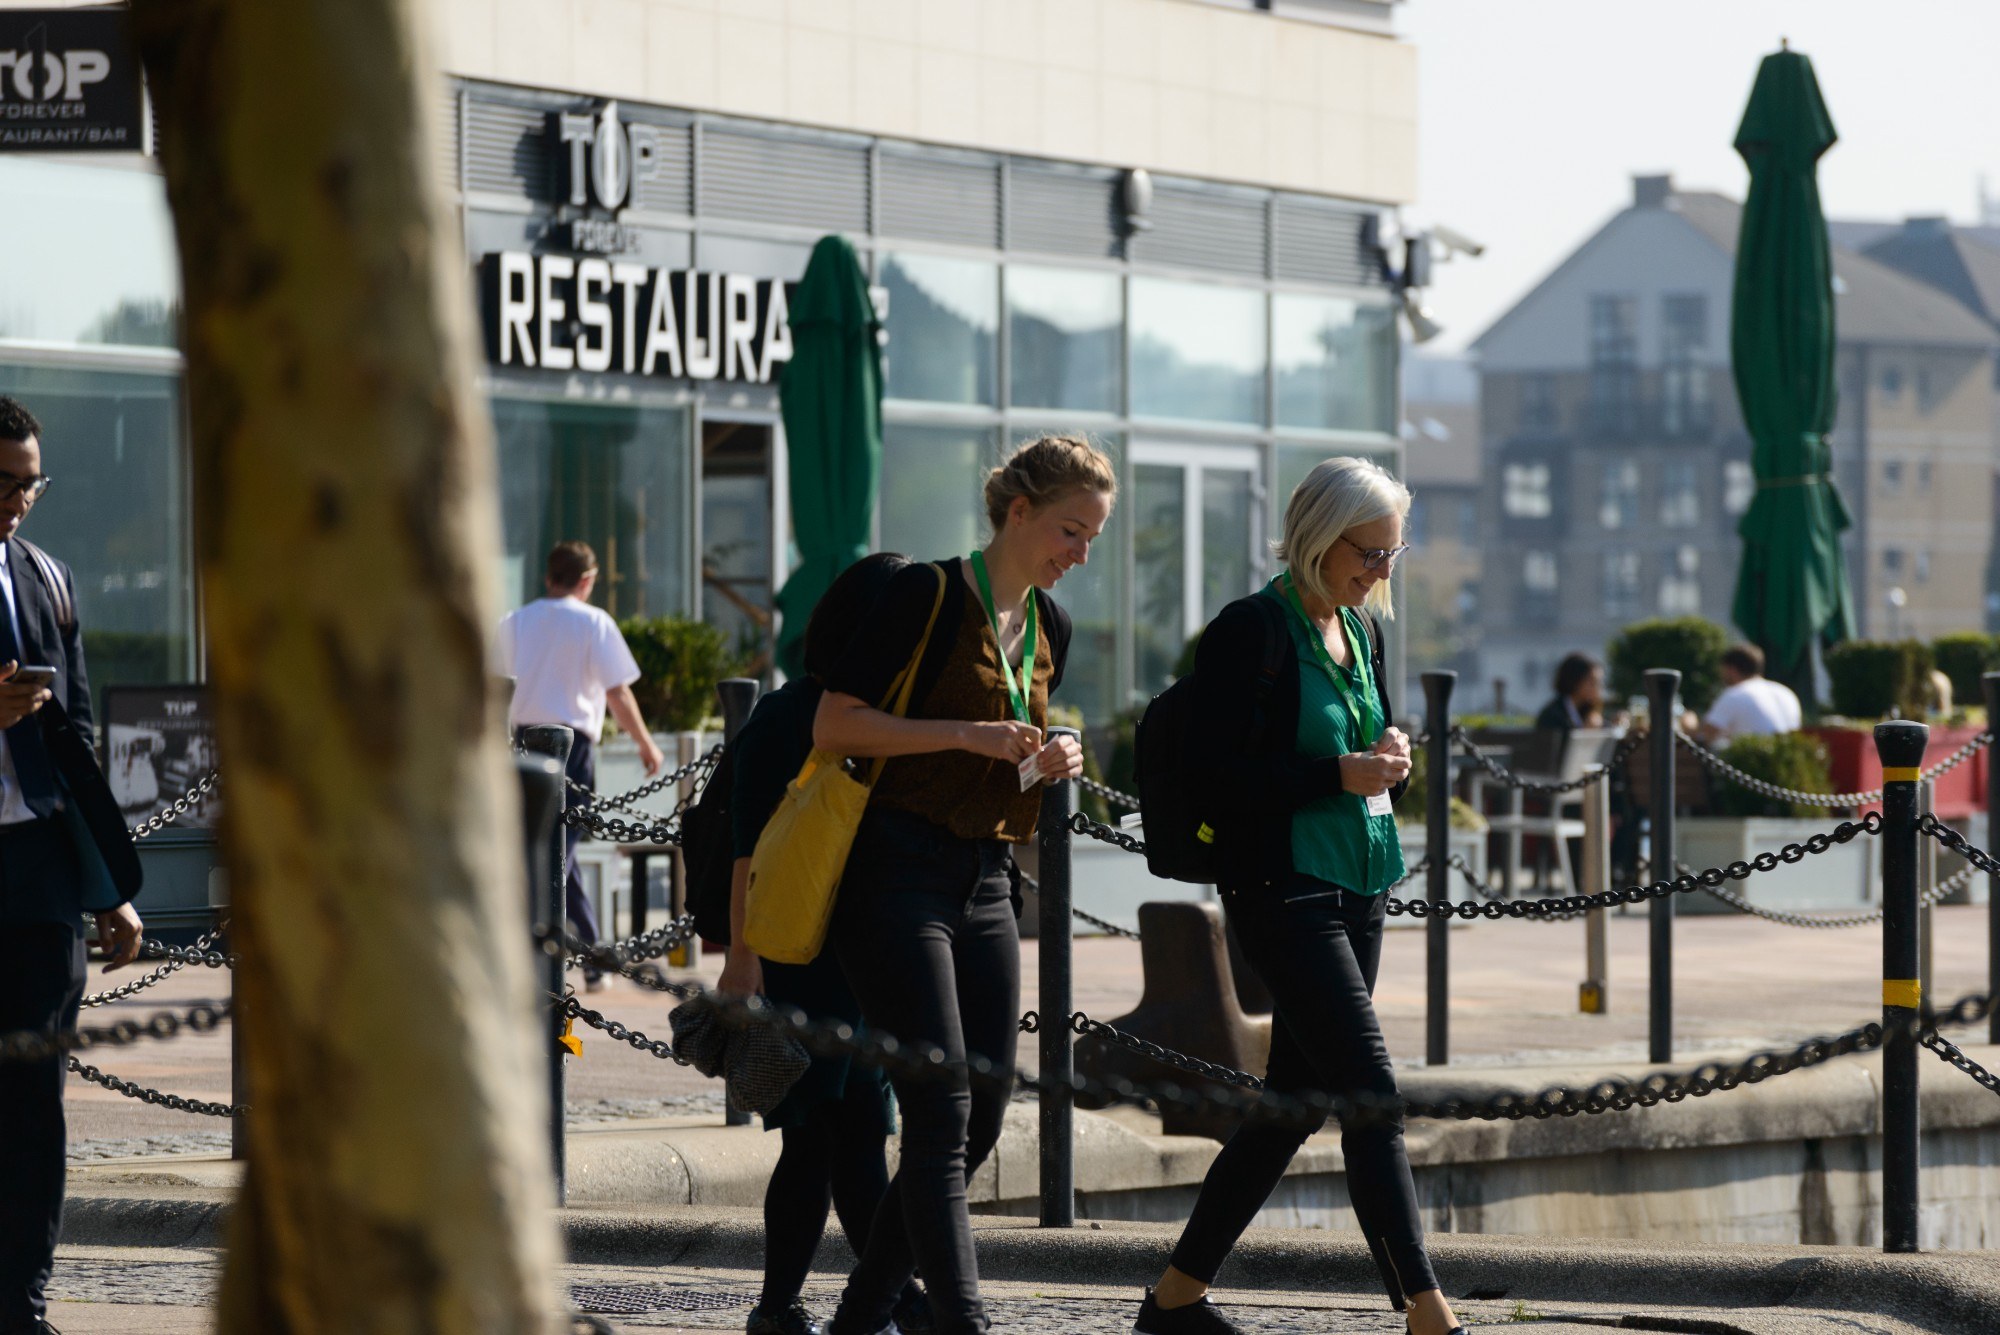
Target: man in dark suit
{"x": 62, "y": 841}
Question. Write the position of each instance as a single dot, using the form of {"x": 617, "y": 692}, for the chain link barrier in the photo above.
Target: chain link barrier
{"x": 1104, "y": 925}
{"x": 648, "y": 945}
{"x": 168, "y": 969}
{"x": 181, "y": 805}
{"x": 1108, "y": 793}
{"x": 1723, "y": 769}
{"x": 1950, "y": 1053}
{"x": 1629, "y": 743}
{"x": 623, "y": 801}
{"x": 157, "y": 1098}
{"x": 185, "y": 955}
{"x": 33, "y": 1045}
{"x": 1937, "y": 894}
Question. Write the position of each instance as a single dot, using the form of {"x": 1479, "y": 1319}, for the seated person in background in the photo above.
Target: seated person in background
{"x": 1751, "y": 705}
{"x": 1579, "y": 697}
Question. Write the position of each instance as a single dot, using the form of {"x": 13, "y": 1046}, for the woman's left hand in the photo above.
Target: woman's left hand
{"x": 1393, "y": 742}
{"x": 1061, "y": 759}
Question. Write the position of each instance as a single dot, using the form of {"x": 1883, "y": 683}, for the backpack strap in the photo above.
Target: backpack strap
{"x": 61, "y": 596}
{"x": 1277, "y": 648}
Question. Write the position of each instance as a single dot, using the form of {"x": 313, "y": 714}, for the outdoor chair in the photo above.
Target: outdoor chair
{"x": 1547, "y": 756}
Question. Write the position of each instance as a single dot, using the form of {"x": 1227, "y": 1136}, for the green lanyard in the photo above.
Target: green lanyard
{"x": 1017, "y": 689}
{"x": 1333, "y": 672}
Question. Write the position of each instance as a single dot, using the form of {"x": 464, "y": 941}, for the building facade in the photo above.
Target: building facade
{"x": 1617, "y": 466}
{"x": 1151, "y": 221}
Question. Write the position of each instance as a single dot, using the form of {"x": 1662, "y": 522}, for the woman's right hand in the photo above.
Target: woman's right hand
{"x": 1365, "y": 774}
{"x": 1011, "y": 741}
{"x": 742, "y": 973}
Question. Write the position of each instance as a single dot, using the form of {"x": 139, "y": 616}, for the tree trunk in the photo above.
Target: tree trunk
{"x": 346, "y": 534}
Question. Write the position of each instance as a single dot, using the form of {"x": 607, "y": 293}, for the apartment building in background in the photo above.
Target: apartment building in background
{"x": 1616, "y": 466}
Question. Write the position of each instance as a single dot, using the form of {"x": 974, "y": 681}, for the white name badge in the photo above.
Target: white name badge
{"x": 1030, "y": 771}
{"x": 1380, "y": 805}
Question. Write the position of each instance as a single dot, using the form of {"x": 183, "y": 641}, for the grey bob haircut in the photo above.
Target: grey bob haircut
{"x": 1337, "y": 495}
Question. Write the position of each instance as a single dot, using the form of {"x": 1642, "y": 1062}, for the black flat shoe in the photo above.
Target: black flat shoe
{"x": 1200, "y": 1317}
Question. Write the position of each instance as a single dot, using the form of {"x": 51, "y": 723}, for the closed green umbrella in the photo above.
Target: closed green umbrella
{"x": 832, "y": 401}
{"x": 1793, "y": 582}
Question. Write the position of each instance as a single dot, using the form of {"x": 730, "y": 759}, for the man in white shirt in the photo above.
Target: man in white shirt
{"x": 1751, "y": 704}
{"x": 569, "y": 663}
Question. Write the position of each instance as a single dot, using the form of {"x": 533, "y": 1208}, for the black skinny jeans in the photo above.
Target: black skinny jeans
{"x": 925, "y": 931}
{"x": 1316, "y": 947}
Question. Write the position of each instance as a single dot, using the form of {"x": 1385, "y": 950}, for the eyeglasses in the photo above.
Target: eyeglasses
{"x": 31, "y": 487}
{"x": 1374, "y": 558}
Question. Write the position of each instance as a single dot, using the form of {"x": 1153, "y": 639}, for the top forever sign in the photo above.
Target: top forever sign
{"x": 69, "y": 82}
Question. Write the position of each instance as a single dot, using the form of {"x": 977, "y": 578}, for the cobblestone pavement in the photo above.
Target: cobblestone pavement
{"x": 168, "y": 1292}
{"x": 1744, "y": 984}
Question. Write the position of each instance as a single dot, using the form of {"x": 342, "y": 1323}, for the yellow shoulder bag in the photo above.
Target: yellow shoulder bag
{"x": 802, "y": 852}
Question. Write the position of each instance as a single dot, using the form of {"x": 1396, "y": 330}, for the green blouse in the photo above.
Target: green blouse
{"x": 1333, "y": 837}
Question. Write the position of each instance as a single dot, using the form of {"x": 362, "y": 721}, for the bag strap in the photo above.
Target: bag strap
{"x": 1277, "y": 648}
{"x": 906, "y": 681}
{"x": 60, "y": 595}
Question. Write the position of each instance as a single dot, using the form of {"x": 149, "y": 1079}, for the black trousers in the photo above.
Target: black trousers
{"x": 581, "y": 768}
{"x": 925, "y": 931}
{"x": 41, "y": 987}
{"x": 1317, "y": 948}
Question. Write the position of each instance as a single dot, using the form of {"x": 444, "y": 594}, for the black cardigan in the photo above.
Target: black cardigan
{"x": 1262, "y": 786}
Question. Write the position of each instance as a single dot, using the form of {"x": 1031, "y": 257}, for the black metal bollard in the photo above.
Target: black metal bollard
{"x": 738, "y": 696}
{"x": 239, "y": 1071}
{"x": 1901, "y": 748}
{"x": 1437, "y": 834}
{"x": 543, "y": 796}
{"x": 1990, "y": 684}
{"x": 1058, "y": 1060}
{"x": 1662, "y": 685}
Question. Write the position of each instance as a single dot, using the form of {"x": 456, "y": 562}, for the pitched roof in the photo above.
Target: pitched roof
{"x": 1947, "y": 258}
{"x": 1877, "y": 305}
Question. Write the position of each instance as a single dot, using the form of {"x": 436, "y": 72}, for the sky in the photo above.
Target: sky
{"x": 1533, "y": 116}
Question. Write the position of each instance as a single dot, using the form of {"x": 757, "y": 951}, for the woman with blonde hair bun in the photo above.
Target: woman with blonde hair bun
{"x": 1309, "y": 834}
{"x": 925, "y": 921}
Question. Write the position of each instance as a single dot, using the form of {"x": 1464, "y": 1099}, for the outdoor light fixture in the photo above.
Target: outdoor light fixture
{"x": 1135, "y": 199}
{"x": 1423, "y": 328}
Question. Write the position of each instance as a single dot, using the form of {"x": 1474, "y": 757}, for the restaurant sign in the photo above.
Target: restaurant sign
{"x": 69, "y": 82}
{"x": 593, "y": 313}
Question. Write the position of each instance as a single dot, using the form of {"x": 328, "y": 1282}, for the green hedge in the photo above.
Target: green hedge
{"x": 1789, "y": 760}
{"x": 1873, "y": 677}
{"x": 679, "y": 664}
{"x": 1692, "y": 644}
{"x": 1965, "y": 657}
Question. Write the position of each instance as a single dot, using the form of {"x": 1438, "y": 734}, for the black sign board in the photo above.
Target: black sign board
{"x": 69, "y": 82}
{"x": 159, "y": 742}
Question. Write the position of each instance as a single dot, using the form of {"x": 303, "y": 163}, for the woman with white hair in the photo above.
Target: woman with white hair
{"x": 1311, "y": 772}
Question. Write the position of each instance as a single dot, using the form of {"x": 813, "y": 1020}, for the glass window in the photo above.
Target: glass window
{"x": 1621, "y": 584}
{"x": 1063, "y": 328}
{"x": 103, "y": 267}
{"x": 1525, "y": 493}
{"x": 1538, "y": 403}
{"x": 116, "y": 512}
{"x": 1620, "y": 505}
{"x": 1684, "y": 409}
{"x": 1614, "y": 364}
{"x": 1739, "y": 486}
{"x": 615, "y": 477}
{"x": 931, "y": 480}
{"x": 1159, "y": 598}
{"x": 1416, "y": 524}
{"x": 1923, "y": 475}
{"x": 1921, "y": 567}
{"x": 1892, "y": 477}
{"x": 1680, "y": 584}
{"x": 1294, "y": 461}
{"x": 1197, "y": 351}
{"x": 1892, "y": 560}
{"x": 1468, "y": 521}
{"x": 1335, "y": 361}
{"x": 1680, "y": 494}
{"x": 944, "y": 318}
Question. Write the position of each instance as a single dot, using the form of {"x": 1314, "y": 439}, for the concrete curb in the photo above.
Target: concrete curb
{"x": 1948, "y": 1292}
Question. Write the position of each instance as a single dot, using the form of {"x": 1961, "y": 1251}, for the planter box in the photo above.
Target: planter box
{"x": 1850, "y": 754}
{"x": 1844, "y": 878}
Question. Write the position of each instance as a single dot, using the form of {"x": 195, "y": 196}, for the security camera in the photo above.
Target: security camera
{"x": 1456, "y": 241}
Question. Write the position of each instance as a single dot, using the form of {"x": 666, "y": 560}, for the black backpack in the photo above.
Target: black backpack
{"x": 707, "y": 851}
{"x": 1178, "y": 800}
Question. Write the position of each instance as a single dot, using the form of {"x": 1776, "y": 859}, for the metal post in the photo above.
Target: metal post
{"x": 1594, "y": 993}
{"x": 239, "y": 1071}
{"x": 542, "y": 801}
{"x": 1058, "y": 1064}
{"x": 1437, "y": 835}
{"x": 738, "y": 696}
{"x": 1901, "y": 748}
{"x": 1990, "y": 684}
{"x": 687, "y": 745}
{"x": 1662, "y": 686}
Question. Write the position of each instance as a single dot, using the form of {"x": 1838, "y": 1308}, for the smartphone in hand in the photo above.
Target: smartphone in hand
{"x": 32, "y": 674}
